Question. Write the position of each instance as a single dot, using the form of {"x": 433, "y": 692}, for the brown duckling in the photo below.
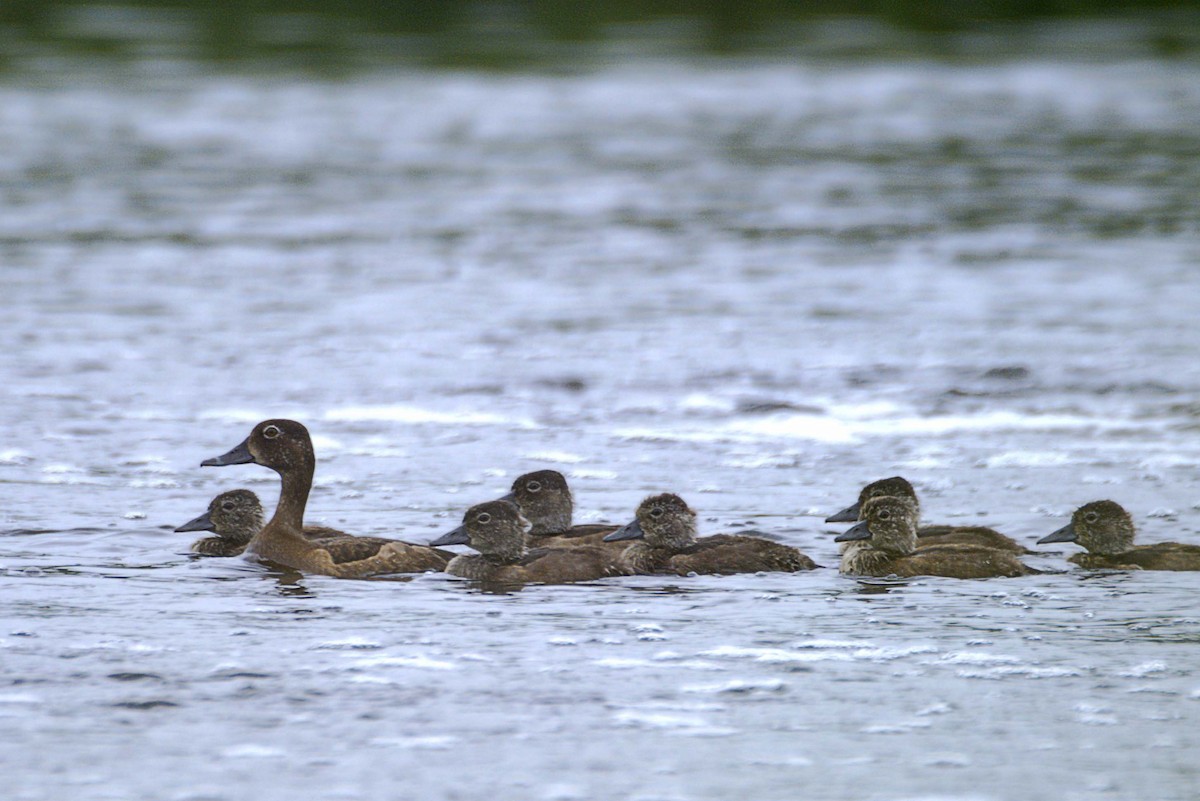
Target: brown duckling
{"x": 236, "y": 516}
{"x": 498, "y": 530}
{"x": 1107, "y": 531}
{"x": 545, "y": 501}
{"x": 929, "y": 535}
{"x": 888, "y": 531}
{"x": 285, "y": 447}
{"x": 668, "y": 526}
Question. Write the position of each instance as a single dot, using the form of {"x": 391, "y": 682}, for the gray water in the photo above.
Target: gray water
{"x": 757, "y": 284}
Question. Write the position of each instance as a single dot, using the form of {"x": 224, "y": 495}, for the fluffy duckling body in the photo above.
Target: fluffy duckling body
{"x": 668, "y": 527}
{"x": 1107, "y": 531}
{"x": 285, "y": 447}
{"x": 235, "y": 517}
{"x": 499, "y": 530}
{"x": 928, "y": 535}
{"x": 888, "y": 533}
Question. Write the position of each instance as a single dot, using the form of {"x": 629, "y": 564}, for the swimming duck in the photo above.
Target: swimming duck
{"x": 1107, "y": 531}
{"x": 668, "y": 526}
{"x": 889, "y": 534}
{"x": 498, "y": 530}
{"x": 545, "y": 500}
{"x": 285, "y": 447}
{"x": 236, "y": 516}
{"x": 929, "y": 535}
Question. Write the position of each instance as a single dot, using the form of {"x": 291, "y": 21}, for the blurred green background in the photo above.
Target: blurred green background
{"x": 341, "y": 34}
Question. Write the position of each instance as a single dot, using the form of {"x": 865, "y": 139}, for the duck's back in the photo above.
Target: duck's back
{"x": 950, "y": 561}
{"x": 731, "y": 553}
{"x": 566, "y": 565}
{"x": 968, "y": 535}
{"x": 1157, "y": 556}
{"x": 586, "y": 534}
{"x": 348, "y": 557}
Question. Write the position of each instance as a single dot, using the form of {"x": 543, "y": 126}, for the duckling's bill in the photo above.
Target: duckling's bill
{"x": 629, "y": 531}
{"x": 857, "y": 532}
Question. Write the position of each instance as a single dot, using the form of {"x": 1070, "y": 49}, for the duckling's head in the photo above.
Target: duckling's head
{"x": 1103, "y": 527}
{"x": 889, "y": 523}
{"x": 282, "y": 445}
{"x": 896, "y": 485}
{"x": 496, "y": 529}
{"x": 234, "y": 515}
{"x": 665, "y": 521}
{"x": 544, "y": 499}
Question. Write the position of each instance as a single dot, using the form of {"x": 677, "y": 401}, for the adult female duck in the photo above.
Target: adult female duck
{"x": 285, "y": 447}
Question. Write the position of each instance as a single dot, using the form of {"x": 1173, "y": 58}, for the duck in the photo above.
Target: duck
{"x": 668, "y": 526}
{"x": 545, "y": 500}
{"x": 499, "y": 531}
{"x": 286, "y": 447}
{"x": 928, "y": 535}
{"x": 888, "y": 537}
{"x": 1107, "y": 531}
{"x": 236, "y": 516}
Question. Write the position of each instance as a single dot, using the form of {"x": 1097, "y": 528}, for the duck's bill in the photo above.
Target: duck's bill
{"x": 847, "y": 515}
{"x": 201, "y": 523}
{"x": 456, "y": 537}
{"x": 629, "y": 531}
{"x": 239, "y": 455}
{"x": 858, "y": 532}
{"x": 1064, "y": 534}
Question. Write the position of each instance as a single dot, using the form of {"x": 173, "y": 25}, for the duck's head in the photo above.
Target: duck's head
{"x": 1102, "y": 527}
{"x": 237, "y": 514}
{"x": 896, "y": 485}
{"x": 665, "y": 521}
{"x": 282, "y": 445}
{"x": 889, "y": 523}
{"x": 495, "y": 528}
{"x": 544, "y": 499}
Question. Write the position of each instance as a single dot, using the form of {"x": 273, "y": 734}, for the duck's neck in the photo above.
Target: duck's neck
{"x": 293, "y": 497}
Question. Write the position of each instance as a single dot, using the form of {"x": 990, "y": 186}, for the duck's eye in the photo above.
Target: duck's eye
{"x": 483, "y": 517}
{"x": 656, "y": 511}
{"x": 1091, "y": 517}
{"x": 534, "y": 486}
{"x": 271, "y": 431}
{"x": 884, "y": 514}
{"x": 227, "y": 506}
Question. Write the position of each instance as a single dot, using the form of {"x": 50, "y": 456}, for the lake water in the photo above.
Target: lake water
{"x": 758, "y": 284}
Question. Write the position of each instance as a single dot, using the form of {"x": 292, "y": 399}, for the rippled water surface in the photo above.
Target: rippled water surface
{"x": 756, "y": 284}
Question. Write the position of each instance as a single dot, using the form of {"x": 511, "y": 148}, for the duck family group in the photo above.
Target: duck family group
{"x": 527, "y": 535}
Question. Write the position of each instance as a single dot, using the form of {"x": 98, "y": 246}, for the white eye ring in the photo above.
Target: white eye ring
{"x": 227, "y": 506}
{"x": 271, "y": 432}
{"x": 656, "y": 511}
{"x": 1091, "y": 517}
{"x": 533, "y": 486}
{"x": 483, "y": 517}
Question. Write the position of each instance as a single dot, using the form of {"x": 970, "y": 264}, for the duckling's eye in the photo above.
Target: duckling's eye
{"x": 656, "y": 511}
{"x": 271, "y": 432}
{"x": 534, "y": 486}
{"x": 227, "y": 506}
{"x": 1091, "y": 517}
{"x": 884, "y": 514}
{"x": 483, "y": 517}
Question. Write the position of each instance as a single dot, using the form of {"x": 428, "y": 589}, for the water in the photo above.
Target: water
{"x": 758, "y": 284}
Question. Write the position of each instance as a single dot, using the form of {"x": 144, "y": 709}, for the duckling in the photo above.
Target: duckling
{"x": 889, "y": 534}
{"x": 236, "y": 516}
{"x": 1107, "y": 531}
{"x": 285, "y": 447}
{"x": 668, "y": 526}
{"x": 929, "y": 535}
{"x": 498, "y": 530}
{"x": 545, "y": 500}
